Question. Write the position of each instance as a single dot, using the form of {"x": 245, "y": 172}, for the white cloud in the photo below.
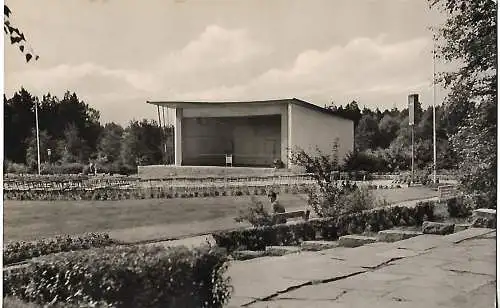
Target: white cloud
{"x": 65, "y": 77}
{"x": 371, "y": 70}
{"x": 215, "y": 47}
{"x": 362, "y": 67}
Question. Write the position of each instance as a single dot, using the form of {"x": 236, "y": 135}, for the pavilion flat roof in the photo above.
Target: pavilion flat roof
{"x": 195, "y": 104}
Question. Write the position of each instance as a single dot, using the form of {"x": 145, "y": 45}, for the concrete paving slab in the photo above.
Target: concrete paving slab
{"x": 346, "y": 252}
{"x": 318, "y": 245}
{"x": 435, "y": 277}
{"x": 485, "y": 213}
{"x": 483, "y": 296}
{"x": 355, "y": 240}
{"x": 421, "y": 243}
{"x": 425, "y": 267}
{"x": 472, "y": 266}
{"x": 368, "y": 256}
{"x": 397, "y": 253}
{"x": 286, "y": 303}
{"x": 357, "y": 298}
{"x": 423, "y": 295}
{"x": 314, "y": 269}
{"x": 461, "y": 227}
{"x": 480, "y": 250}
{"x": 260, "y": 285}
{"x": 467, "y": 234}
{"x": 396, "y": 235}
{"x": 461, "y": 282}
{"x": 324, "y": 291}
{"x": 238, "y": 301}
{"x": 373, "y": 282}
{"x": 492, "y": 235}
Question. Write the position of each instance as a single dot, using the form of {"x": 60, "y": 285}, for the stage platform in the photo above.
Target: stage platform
{"x": 171, "y": 171}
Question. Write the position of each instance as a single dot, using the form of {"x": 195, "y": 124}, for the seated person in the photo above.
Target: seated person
{"x": 277, "y": 207}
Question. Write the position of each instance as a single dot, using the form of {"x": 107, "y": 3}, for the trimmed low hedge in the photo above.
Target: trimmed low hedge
{"x": 257, "y": 238}
{"x": 125, "y": 276}
{"x": 110, "y": 193}
{"x": 18, "y": 251}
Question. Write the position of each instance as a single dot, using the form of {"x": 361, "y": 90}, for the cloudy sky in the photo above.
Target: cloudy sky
{"x": 116, "y": 54}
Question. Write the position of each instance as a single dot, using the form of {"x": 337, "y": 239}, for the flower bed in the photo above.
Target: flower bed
{"x": 14, "y": 252}
{"x": 119, "y": 276}
{"x": 113, "y": 193}
{"x": 257, "y": 238}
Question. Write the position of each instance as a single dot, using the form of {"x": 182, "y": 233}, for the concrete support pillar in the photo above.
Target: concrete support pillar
{"x": 288, "y": 132}
{"x": 178, "y": 136}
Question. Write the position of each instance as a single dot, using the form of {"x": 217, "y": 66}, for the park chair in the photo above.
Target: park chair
{"x": 229, "y": 160}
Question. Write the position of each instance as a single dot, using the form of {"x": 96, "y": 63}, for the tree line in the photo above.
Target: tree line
{"x": 71, "y": 135}
{"x": 383, "y": 138}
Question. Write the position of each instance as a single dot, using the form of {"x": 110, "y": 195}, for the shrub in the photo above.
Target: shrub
{"x": 255, "y": 214}
{"x": 12, "y": 302}
{"x": 125, "y": 276}
{"x": 360, "y": 199}
{"x": 10, "y": 167}
{"x": 116, "y": 168}
{"x": 330, "y": 228}
{"x": 463, "y": 206}
{"x": 326, "y": 198}
{"x": 485, "y": 200}
{"x": 278, "y": 164}
{"x": 257, "y": 238}
{"x": 66, "y": 168}
{"x": 14, "y": 252}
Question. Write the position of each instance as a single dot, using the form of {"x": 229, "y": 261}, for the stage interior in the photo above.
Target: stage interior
{"x": 253, "y": 141}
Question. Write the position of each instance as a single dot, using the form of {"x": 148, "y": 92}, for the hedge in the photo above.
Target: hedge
{"x": 257, "y": 238}
{"x": 113, "y": 193}
{"x": 18, "y": 251}
{"x": 463, "y": 206}
{"x": 125, "y": 276}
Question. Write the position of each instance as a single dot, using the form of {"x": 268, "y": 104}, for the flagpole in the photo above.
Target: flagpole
{"x": 412, "y": 156}
{"x": 434, "y": 104}
{"x": 37, "y": 136}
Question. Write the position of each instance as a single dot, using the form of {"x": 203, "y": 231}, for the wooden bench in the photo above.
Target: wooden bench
{"x": 294, "y": 214}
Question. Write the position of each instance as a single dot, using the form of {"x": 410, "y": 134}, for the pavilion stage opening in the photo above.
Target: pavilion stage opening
{"x": 253, "y": 141}
{"x": 253, "y": 133}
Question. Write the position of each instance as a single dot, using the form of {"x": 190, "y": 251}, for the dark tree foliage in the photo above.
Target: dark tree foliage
{"x": 54, "y": 117}
{"x": 383, "y": 138}
{"x": 469, "y": 39}
{"x": 141, "y": 144}
{"x": 350, "y": 111}
{"x": 71, "y": 129}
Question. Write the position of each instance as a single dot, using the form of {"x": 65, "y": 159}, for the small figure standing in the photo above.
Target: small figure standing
{"x": 277, "y": 207}
{"x": 91, "y": 167}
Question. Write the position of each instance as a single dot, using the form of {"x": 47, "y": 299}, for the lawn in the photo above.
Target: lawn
{"x": 35, "y": 219}
{"x": 136, "y": 220}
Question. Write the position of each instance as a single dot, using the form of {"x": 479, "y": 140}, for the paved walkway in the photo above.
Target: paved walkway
{"x": 456, "y": 270}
